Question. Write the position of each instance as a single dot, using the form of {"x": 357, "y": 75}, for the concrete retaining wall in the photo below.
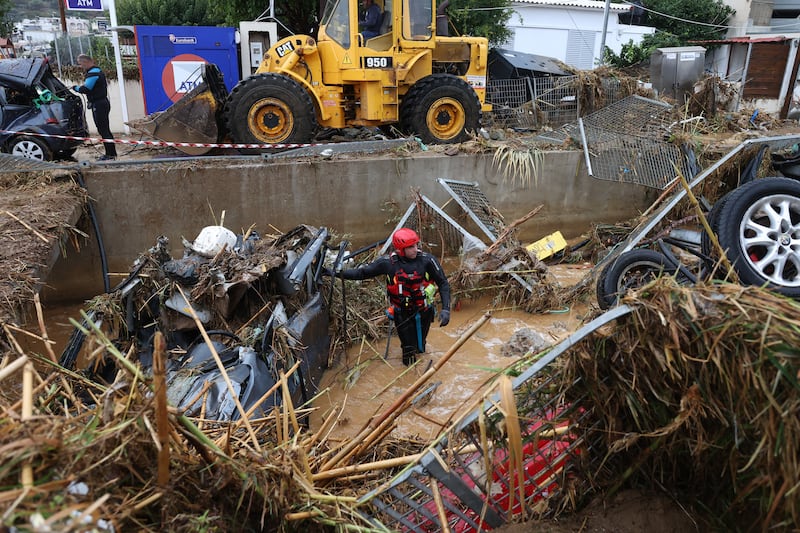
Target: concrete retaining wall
{"x": 352, "y": 196}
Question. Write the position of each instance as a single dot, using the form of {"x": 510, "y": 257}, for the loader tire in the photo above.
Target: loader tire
{"x": 270, "y": 109}
{"x": 440, "y": 109}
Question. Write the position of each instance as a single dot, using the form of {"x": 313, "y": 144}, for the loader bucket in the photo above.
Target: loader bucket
{"x": 193, "y": 118}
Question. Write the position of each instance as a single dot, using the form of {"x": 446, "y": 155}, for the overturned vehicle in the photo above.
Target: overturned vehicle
{"x": 254, "y": 304}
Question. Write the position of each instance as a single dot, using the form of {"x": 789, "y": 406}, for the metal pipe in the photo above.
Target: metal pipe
{"x": 98, "y": 236}
{"x": 606, "y": 9}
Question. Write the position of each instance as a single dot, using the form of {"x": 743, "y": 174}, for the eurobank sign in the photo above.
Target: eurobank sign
{"x": 171, "y": 60}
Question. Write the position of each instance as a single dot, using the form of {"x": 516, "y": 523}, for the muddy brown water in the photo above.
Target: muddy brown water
{"x": 362, "y": 383}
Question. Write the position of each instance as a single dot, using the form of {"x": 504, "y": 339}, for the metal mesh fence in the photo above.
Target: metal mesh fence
{"x": 529, "y": 103}
{"x": 475, "y": 480}
{"x": 512, "y": 105}
{"x": 634, "y": 115}
{"x": 557, "y": 99}
{"x": 435, "y": 227}
{"x": 472, "y": 200}
{"x": 625, "y": 142}
{"x": 632, "y": 158}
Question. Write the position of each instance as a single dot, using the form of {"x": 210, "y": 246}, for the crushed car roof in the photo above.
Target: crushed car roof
{"x": 21, "y": 73}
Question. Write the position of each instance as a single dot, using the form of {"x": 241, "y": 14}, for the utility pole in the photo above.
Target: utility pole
{"x": 605, "y": 30}
{"x": 63, "y": 12}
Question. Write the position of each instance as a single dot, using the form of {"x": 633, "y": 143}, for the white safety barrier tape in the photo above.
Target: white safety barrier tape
{"x": 163, "y": 143}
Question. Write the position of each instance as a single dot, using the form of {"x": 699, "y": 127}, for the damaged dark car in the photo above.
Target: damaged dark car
{"x": 37, "y": 110}
{"x": 256, "y": 304}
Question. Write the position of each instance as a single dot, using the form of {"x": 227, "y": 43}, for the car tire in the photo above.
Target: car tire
{"x": 759, "y": 228}
{"x": 631, "y": 270}
{"x": 30, "y": 148}
{"x": 706, "y": 245}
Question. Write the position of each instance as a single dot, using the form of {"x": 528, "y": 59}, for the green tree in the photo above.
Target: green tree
{"x": 672, "y": 29}
{"x": 711, "y": 16}
{"x": 165, "y": 12}
{"x": 299, "y": 16}
{"x": 481, "y": 18}
{"x": 6, "y": 22}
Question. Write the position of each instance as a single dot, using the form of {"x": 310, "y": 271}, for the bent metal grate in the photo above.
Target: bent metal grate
{"x": 624, "y": 142}
{"x": 472, "y": 200}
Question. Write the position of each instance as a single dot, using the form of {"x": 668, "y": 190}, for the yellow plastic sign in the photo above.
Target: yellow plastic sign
{"x": 547, "y": 246}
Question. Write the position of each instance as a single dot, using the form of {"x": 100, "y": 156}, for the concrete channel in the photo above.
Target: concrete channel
{"x": 356, "y": 195}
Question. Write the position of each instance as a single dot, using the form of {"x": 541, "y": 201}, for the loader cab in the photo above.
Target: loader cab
{"x": 404, "y": 24}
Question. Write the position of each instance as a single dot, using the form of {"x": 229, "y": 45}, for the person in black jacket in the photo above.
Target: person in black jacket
{"x": 412, "y": 277}
{"x": 373, "y": 18}
{"x": 95, "y": 88}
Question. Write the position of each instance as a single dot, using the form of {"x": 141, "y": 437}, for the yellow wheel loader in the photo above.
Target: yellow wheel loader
{"x": 431, "y": 86}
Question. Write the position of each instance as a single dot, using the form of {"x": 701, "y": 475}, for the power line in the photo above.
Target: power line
{"x": 688, "y": 21}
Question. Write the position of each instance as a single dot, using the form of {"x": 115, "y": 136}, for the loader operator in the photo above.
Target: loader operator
{"x": 412, "y": 277}
{"x": 373, "y": 18}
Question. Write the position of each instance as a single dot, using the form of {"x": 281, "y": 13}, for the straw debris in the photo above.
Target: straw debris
{"x": 698, "y": 389}
{"x": 37, "y": 210}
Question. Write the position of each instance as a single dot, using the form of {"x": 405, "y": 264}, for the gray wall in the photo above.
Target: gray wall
{"x": 136, "y": 203}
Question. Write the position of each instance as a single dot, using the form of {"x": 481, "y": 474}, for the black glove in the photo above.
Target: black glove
{"x": 444, "y": 317}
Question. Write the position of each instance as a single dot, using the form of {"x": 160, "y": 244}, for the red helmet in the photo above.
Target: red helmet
{"x": 403, "y": 238}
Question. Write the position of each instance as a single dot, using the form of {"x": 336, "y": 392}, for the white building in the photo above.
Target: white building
{"x": 570, "y": 30}
{"x": 761, "y": 48}
{"x": 43, "y": 30}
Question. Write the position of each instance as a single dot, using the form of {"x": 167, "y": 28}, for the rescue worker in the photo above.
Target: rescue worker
{"x": 95, "y": 87}
{"x": 412, "y": 277}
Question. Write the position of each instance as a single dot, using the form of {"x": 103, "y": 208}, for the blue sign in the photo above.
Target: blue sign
{"x": 85, "y": 5}
{"x": 171, "y": 60}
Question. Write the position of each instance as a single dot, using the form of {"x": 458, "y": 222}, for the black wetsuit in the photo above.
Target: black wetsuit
{"x": 95, "y": 87}
{"x": 405, "y": 281}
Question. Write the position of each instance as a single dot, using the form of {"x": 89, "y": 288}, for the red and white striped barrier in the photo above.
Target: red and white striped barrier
{"x": 164, "y": 143}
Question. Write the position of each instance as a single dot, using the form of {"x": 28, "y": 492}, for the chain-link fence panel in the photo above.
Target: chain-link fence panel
{"x": 530, "y": 103}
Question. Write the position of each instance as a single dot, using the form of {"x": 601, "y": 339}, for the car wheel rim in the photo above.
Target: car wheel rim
{"x": 638, "y": 274}
{"x": 28, "y": 149}
{"x": 769, "y": 237}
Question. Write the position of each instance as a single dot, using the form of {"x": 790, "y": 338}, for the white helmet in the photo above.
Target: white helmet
{"x": 212, "y": 239}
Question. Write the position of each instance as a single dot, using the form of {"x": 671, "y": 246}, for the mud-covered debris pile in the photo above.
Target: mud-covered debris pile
{"x": 492, "y": 271}
{"x": 698, "y": 389}
{"x": 36, "y": 213}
